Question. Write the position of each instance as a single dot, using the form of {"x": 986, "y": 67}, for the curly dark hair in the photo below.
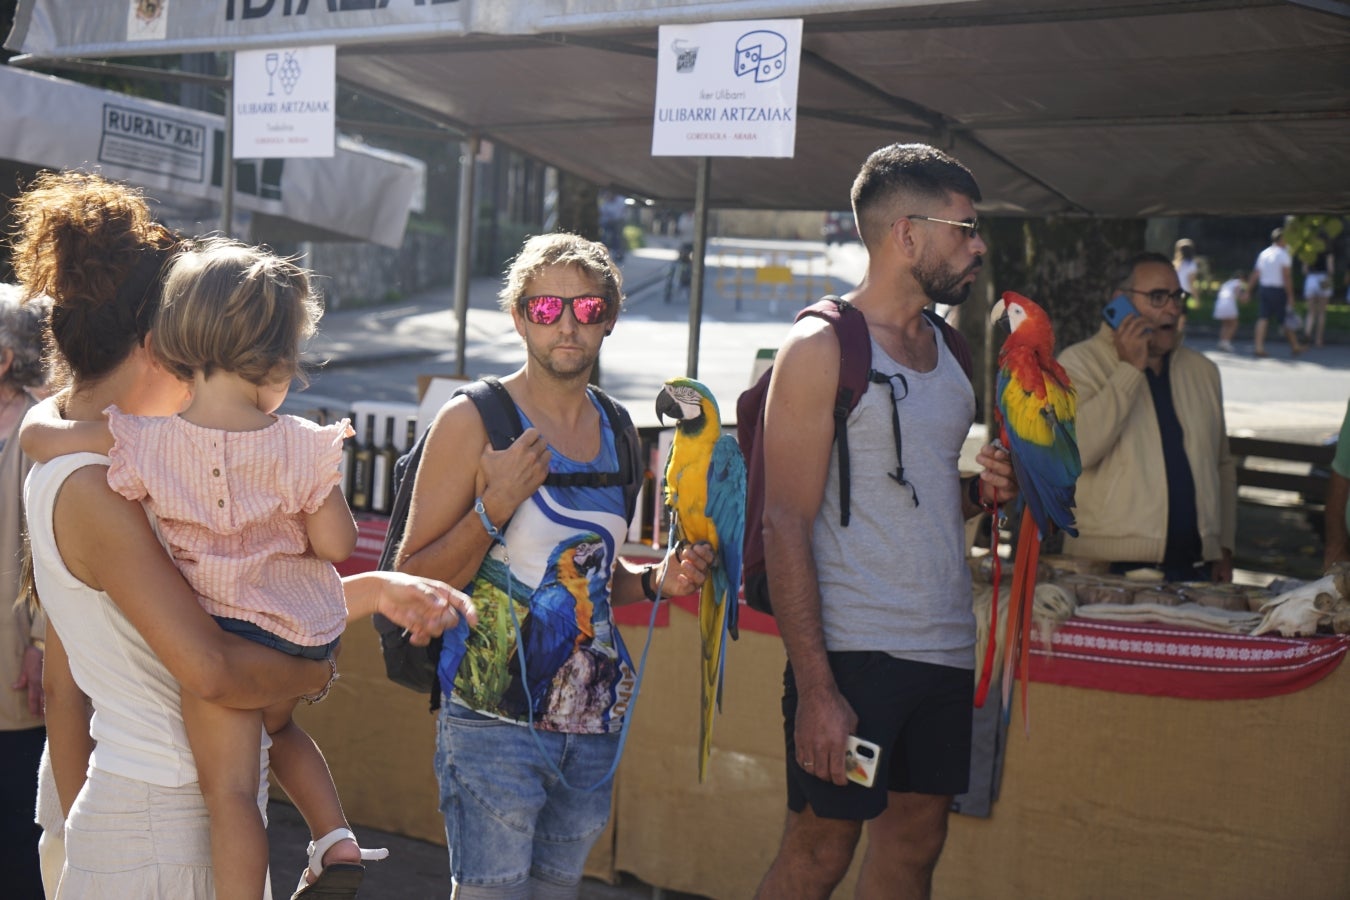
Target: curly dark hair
{"x": 92, "y": 246}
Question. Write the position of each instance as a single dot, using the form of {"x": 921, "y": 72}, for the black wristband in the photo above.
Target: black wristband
{"x": 647, "y": 590}
{"x": 973, "y": 492}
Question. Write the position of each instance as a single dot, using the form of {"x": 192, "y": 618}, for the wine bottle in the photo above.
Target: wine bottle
{"x": 363, "y": 468}
{"x": 347, "y": 463}
{"x": 382, "y": 474}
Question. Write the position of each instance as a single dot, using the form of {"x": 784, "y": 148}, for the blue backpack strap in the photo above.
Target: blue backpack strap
{"x": 495, "y": 407}
{"x": 627, "y": 447}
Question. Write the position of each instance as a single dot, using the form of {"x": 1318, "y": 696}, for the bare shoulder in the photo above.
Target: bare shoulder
{"x": 457, "y": 426}
{"x": 97, "y": 527}
{"x": 806, "y": 368}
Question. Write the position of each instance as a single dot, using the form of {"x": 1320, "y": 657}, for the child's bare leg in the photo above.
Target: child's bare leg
{"x": 303, "y": 773}
{"x": 227, "y": 744}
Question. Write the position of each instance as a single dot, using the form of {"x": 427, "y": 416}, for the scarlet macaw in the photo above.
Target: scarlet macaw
{"x": 1036, "y": 410}
{"x": 705, "y": 492}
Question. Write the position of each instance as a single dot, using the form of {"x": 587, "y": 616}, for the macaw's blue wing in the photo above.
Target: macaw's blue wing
{"x": 548, "y": 636}
{"x": 719, "y": 600}
{"x": 560, "y": 614}
{"x": 726, "y": 509}
{"x": 1038, "y": 413}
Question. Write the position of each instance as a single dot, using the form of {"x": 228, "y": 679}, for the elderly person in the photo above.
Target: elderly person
{"x": 1158, "y": 488}
{"x": 21, "y": 632}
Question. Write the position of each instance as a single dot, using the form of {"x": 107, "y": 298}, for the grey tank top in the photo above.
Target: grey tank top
{"x": 895, "y": 580}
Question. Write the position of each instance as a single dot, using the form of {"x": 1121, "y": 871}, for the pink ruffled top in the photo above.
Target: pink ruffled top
{"x": 232, "y": 506}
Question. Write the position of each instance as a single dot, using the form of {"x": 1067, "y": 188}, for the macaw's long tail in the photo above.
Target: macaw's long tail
{"x": 713, "y": 604}
{"x": 1017, "y": 642}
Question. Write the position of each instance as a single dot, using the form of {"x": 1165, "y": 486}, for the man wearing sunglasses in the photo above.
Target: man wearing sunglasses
{"x": 876, "y": 614}
{"x": 531, "y": 715}
{"x": 1159, "y": 487}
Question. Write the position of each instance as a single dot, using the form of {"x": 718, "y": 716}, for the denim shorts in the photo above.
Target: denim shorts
{"x": 507, "y": 816}
{"x": 259, "y": 635}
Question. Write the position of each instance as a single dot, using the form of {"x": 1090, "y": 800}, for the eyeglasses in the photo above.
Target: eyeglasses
{"x": 1158, "y": 298}
{"x": 971, "y": 226}
{"x": 546, "y": 309}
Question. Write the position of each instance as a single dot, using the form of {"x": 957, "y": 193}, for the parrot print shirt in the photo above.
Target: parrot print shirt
{"x": 557, "y": 567}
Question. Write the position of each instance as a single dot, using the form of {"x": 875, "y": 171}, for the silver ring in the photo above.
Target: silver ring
{"x": 807, "y": 765}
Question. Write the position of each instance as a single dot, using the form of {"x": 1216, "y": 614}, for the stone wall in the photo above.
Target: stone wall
{"x": 360, "y": 274}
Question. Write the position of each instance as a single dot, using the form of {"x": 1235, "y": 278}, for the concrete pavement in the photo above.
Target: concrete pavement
{"x": 1300, "y": 399}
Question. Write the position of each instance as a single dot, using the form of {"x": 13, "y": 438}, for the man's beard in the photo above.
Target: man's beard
{"x": 578, "y": 370}
{"x": 941, "y": 285}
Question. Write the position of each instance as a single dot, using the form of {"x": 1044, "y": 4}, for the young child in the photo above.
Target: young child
{"x": 1231, "y": 293}
{"x": 250, "y": 505}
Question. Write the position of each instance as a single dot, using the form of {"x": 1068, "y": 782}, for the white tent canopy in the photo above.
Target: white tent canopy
{"x": 358, "y": 194}
{"x": 1105, "y": 107}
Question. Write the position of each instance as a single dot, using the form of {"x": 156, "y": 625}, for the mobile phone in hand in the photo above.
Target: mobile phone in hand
{"x": 1115, "y": 312}
{"x": 860, "y": 760}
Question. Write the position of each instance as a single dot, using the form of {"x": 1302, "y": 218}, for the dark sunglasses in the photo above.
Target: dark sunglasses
{"x": 545, "y": 309}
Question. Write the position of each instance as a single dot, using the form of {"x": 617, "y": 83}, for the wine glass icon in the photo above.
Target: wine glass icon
{"x": 271, "y": 62}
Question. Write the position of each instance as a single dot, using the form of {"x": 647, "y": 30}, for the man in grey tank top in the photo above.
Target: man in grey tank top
{"x": 876, "y": 615}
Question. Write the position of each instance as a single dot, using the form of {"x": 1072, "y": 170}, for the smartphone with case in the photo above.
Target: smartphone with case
{"x": 1115, "y": 312}
{"x": 860, "y": 761}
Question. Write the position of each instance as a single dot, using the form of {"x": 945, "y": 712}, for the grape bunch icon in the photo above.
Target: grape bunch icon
{"x": 289, "y": 73}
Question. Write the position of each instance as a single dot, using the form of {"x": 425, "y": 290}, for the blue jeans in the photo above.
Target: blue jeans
{"x": 507, "y": 816}
{"x": 259, "y": 635}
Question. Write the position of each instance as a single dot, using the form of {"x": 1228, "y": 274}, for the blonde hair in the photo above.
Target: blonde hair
{"x": 561, "y": 249}
{"x": 230, "y": 307}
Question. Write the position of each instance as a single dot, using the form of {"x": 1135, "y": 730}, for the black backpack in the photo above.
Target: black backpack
{"x": 855, "y": 365}
{"x": 415, "y": 667}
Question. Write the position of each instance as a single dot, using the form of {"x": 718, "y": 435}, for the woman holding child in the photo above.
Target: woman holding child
{"x": 125, "y": 629}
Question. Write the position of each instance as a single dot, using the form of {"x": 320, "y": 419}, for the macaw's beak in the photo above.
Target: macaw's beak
{"x": 666, "y": 405}
{"x": 999, "y": 316}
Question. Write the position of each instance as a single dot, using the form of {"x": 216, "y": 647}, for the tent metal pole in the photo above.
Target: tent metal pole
{"x": 463, "y": 243}
{"x": 701, "y": 188}
{"x": 227, "y": 152}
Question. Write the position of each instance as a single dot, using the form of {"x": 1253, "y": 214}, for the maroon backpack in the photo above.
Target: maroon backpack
{"x": 855, "y": 365}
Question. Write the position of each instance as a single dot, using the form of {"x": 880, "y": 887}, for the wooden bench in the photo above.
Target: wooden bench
{"x": 1281, "y": 514}
{"x": 1270, "y": 465}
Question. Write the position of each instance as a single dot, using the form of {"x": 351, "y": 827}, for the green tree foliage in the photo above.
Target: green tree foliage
{"x": 1067, "y": 265}
{"x": 1308, "y": 236}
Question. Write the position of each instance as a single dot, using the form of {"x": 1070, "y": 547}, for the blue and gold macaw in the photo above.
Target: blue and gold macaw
{"x": 559, "y": 619}
{"x": 1037, "y": 406}
{"x": 705, "y": 491}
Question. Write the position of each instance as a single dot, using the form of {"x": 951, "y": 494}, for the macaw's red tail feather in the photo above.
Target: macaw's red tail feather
{"x": 1019, "y": 610}
{"x": 986, "y": 674}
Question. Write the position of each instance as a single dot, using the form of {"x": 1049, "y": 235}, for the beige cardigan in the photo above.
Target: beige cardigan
{"x": 16, "y": 627}
{"x": 1122, "y": 504}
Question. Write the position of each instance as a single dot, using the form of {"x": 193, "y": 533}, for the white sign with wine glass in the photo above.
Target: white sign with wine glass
{"x": 284, "y": 102}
